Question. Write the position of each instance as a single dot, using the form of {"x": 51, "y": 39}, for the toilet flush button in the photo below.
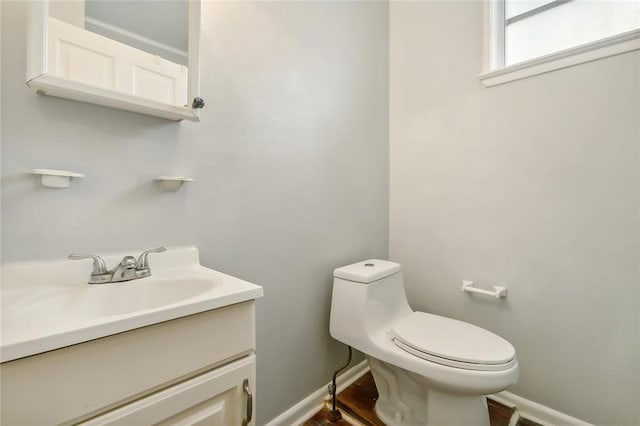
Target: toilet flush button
{"x": 369, "y": 264}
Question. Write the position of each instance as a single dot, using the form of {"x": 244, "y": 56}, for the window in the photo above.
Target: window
{"x": 528, "y": 37}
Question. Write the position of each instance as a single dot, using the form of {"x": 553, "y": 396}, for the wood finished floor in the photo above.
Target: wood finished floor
{"x": 357, "y": 402}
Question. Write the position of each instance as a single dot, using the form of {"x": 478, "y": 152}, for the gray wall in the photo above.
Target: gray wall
{"x": 290, "y": 161}
{"x": 532, "y": 184}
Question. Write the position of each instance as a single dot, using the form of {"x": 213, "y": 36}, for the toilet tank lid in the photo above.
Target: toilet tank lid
{"x": 367, "y": 271}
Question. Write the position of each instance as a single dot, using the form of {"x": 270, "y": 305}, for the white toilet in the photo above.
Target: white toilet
{"x": 429, "y": 370}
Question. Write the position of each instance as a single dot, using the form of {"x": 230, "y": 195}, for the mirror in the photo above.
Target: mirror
{"x": 157, "y": 27}
{"x": 137, "y": 55}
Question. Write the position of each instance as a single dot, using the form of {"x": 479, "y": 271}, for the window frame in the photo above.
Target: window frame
{"x": 495, "y": 71}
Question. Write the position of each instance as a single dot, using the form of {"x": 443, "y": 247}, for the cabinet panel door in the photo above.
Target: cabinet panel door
{"x": 213, "y": 398}
{"x": 222, "y": 409}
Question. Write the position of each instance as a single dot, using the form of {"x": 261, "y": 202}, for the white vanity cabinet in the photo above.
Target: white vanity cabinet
{"x": 197, "y": 369}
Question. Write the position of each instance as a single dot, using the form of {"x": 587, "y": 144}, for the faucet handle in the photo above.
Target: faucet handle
{"x": 99, "y": 267}
{"x": 143, "y": 261}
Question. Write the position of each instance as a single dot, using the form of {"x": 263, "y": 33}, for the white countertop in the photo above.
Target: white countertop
{"x": 49, "y": 305}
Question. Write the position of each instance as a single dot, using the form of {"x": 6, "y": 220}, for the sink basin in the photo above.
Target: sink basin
{"x": 24, "y": 305}
{"x": 48, "y": 305}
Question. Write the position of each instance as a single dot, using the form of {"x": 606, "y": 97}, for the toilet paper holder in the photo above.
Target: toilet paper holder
{"x": 498, "y": 291}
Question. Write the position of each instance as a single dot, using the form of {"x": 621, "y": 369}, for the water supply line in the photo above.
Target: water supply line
{"x": 335, "y": 414}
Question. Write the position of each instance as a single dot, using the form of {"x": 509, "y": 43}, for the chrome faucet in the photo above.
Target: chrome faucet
{"x": 128, "y": 269}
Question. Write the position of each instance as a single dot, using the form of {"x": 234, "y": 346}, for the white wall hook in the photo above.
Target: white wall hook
{"x": 55, "y": 178}
{"x": 497, "y": 292}
{"x": 173, "y": 183}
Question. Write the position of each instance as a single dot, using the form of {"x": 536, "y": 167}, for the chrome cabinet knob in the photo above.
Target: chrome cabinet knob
{"x": 197, "y": 103}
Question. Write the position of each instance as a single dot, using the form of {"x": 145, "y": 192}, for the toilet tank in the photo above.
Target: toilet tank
{"x": 368, "y": 297}
{"x": 367, "y": 271}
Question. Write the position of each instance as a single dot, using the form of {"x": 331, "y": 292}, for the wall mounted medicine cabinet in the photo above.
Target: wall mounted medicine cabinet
{"x": 131, "y": 55}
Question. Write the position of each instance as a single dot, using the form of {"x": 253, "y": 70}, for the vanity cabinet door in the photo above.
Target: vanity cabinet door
{"x": 218, "y": 397}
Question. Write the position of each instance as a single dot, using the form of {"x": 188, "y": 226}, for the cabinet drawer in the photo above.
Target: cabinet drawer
{"x": 213, "y": 398}
{"x": 80, "y": 381}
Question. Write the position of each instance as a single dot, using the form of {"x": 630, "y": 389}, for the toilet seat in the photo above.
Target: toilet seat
{"x": 453, "y": 343}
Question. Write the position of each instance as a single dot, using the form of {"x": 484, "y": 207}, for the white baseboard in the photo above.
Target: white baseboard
{"x": 313, "y": 403}
{"x": 523, "y": 407}
{"x": 536, "y": 412}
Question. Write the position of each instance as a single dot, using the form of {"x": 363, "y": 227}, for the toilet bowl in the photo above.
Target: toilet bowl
{"x": 428, "y": 369}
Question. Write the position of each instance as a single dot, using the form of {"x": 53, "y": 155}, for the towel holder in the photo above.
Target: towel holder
{"x": 498, "y": 291}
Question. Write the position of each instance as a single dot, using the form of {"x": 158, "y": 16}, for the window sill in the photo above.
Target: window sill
{"x": 614, "y": 45}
